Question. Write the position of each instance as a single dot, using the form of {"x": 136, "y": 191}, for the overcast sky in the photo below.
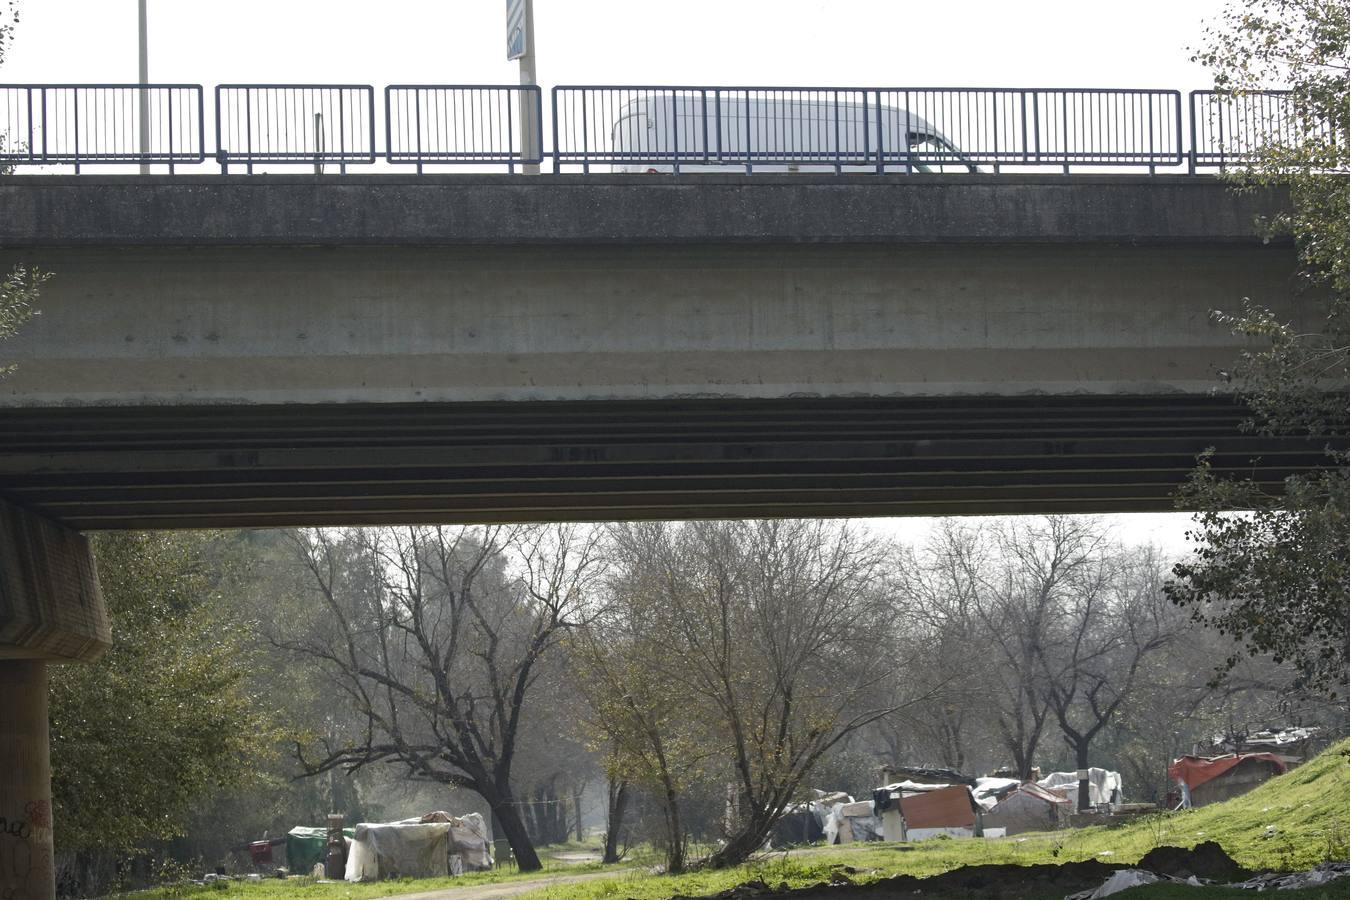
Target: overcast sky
{"x": 1053, "y": 43}
{"x": 977, "y": 43}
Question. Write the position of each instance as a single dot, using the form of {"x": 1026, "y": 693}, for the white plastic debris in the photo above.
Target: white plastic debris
{"x": 1119, "y": 881}
{"x": 1314, "y": 877}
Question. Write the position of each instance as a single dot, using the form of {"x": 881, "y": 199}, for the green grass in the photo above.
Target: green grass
{"x": 1308, "y": 810}
{"x": 312, "y": 888}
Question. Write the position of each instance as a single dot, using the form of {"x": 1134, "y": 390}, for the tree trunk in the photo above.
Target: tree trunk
{"x": 1084, "y": 795}
{"x": 674, "y": 830}
{"x": 618, "y": 804}
{"x": 577, "y": 790}
{"x": 743, "y": 844}
{"x": 513, "y": 829}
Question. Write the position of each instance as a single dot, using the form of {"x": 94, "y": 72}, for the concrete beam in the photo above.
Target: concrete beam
{"x": 50, "y": 604}
{"x": 204, "y": 210}
{"x": 264, "y": 325}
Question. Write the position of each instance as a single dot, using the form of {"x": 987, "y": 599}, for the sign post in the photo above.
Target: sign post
{"x": 520, "y": 47}
{"x": 143, "y": 98}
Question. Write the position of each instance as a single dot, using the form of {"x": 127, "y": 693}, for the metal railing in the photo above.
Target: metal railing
{"x": 93, "y": 124}
{"x": 295, "y": 123}
{"x": 644, "y": 128}
{"x": 853, "y": 129}
{"x": 1230, "y": 129}
{"x": 1060, "y": 127}
{"x": 463, "y": 124}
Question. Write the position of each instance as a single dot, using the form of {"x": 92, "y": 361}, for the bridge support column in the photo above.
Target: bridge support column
{"x": 50, "y": 611}
{"x": 26, "y": 868}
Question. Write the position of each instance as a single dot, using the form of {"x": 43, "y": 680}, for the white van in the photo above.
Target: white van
{"x": 717, "y": 133}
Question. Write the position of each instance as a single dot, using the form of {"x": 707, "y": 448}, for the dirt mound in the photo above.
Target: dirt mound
{"x": 1003, "y": 882}
{"x": 1207, "y": 860}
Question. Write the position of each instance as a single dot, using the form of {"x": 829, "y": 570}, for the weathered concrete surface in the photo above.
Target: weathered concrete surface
{"x": 199, "y": 210}
{"x": 27, "y": 860}
{"x": 51, "y": 607}
{"x": 153, "y": 325}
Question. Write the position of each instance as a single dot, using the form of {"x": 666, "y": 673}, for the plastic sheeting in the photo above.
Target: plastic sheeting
{"x": 1103, "y": 787}
{"x": 809, "y": 821}
{"x": 424, "y": 847}
{"x": 849, "y": 822}
{"x": 1119, "y": 881}
{"x": 471, "y": 841}
{"x": 989, "y": 791}
{"x": 1194, "y": 771}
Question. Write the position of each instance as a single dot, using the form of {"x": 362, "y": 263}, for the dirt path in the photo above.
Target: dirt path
{"x": 504, "y": 889}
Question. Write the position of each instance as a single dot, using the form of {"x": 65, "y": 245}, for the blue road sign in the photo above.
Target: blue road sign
{"x": 517, "y": 41}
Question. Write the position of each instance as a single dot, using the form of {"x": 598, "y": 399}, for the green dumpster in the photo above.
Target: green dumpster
{"x": 307, "y": 846}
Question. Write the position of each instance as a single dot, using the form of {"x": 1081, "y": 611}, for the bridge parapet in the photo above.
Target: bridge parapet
{"x": 197, "y": 210}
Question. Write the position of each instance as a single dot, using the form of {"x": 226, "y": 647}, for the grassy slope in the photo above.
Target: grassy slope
{"x": 1309, "y": 809}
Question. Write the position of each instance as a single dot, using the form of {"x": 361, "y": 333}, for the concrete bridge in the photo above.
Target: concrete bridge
{"x": 308, "y": 350}
{"x": 280, "y": 350}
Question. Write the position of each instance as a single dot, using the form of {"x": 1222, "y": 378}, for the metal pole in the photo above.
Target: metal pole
{"x": 144, "y": 92}
{"x": 529, "y": 127}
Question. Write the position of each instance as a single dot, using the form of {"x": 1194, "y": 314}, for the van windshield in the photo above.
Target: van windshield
{"x": 935, "y": 154}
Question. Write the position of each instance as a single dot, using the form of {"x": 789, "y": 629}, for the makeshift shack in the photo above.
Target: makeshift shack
{"x": 797, "y": 826}
{"x": 989, "y": 791}
{"x": 924, "y": 775}
{"x": 911, "y": 811}
{"x": 1029, "y": 807}
{"x": 849, "y": 822}
{"x": 804, "y": 823}
{"x": 435, "y": 844}
{"x": 1209, "y": 779}
{"x": 1293, "y": 744}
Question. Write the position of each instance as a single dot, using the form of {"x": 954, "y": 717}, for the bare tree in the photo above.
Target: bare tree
{"x": 642, "y": 715}
{"x": 435, "y": 636}
{"x": 1111, "y": 617}
{"x": 768, "y": 632}
{"x": 937, "y": 626}
{"x": 997, "y": 588}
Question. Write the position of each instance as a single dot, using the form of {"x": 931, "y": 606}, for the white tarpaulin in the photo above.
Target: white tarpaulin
{"x": 434, "y": 844}
{"x": 850, "y": 822}
{"x": 988, "y": 791}
{"x": 1103, "y": 786}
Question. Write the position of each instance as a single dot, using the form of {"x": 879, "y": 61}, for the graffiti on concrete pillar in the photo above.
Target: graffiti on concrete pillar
{"x": 26, "y": 852}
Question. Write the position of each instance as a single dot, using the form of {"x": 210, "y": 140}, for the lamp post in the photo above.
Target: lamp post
{"x": 143, "y": 93}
